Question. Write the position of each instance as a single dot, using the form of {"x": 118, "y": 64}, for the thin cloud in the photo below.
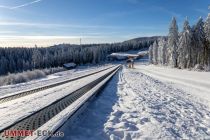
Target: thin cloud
{"x": 20, "y": 6}
{"x": 76, "y": 26}
{"x": 202, "y": 11}
{"x": 49, "y": 25}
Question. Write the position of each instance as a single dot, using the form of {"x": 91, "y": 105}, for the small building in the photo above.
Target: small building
{"x": 69, "y": 66}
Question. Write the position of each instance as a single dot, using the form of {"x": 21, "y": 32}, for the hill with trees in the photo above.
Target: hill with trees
{"x": 13, "y": 60}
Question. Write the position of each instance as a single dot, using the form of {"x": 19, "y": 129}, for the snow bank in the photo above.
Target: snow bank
{"x": 199, "y": 81}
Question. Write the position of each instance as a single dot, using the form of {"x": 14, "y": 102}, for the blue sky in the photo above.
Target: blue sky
{"x": 104, "y": 20}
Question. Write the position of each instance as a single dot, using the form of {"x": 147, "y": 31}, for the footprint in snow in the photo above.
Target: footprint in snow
{"x": 144, "y": 120}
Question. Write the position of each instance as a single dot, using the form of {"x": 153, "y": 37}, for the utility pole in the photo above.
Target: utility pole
{"x": 80, "y": 41}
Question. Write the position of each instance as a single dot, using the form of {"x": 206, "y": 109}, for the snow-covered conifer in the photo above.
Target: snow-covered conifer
{"x": 151, "y": 54}
{"x": 184, "y": 49}
{"x": 197, "y": 50}
{"x": 173, "y": 43}
{"x": 155, "y": 53}
{"x": 162, "y": 51}
{"x": 207, "y": 43}
{"x": 36, "y": 58}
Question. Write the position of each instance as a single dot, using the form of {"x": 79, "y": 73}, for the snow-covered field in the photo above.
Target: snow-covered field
{"x": 147, "y": 102}
{"x": 51, "y": 79}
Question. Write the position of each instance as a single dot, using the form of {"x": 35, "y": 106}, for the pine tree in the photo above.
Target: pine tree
{"x": 184, "y": 49}
{"x": 197, "y": 51}
{"x": 207, "y": 43}
{"x": 162, "y": 51}
{"x": 173, "y": 43}
{"x": 155, "y": 53}
{"x": 36, "y": 58}
{"x": 151, "y": 54}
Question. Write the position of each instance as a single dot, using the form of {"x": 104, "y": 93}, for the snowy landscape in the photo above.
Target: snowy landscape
{"x": 104, "y": 70}
{"x": 147, "y": 102}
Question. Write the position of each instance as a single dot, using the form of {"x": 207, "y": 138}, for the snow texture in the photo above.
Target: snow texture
{"x": 138, "y": 104}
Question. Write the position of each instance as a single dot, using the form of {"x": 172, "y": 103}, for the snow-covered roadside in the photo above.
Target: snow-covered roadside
{"x": 149, "y": 108}
{"x": 138, "y": 107}
{"x": 194, "y": 82}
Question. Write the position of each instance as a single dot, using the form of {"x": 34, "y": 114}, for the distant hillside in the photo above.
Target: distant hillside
{"x": 140, "y": 39}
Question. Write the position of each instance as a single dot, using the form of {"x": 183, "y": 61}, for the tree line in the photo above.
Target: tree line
{"x": 13, "y": 60}
{"x": 187, "y": 49}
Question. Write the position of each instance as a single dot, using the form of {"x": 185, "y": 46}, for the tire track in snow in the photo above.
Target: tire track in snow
{"x": 150, "y": 108}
